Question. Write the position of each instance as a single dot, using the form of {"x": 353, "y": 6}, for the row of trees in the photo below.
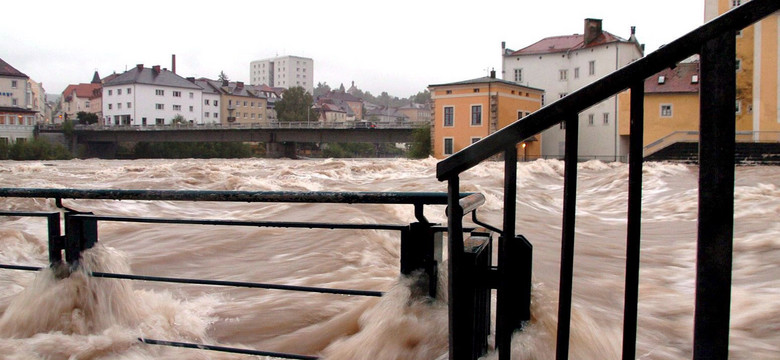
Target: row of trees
{"x": 37, "y": 149}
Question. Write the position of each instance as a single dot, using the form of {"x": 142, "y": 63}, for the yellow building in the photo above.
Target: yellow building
{"x": 758, "y": 94}
{"x": 465, "y": 112}
{"x": 671, "y": 107}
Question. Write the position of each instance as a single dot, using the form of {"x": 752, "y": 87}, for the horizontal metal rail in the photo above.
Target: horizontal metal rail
{"x": 225, "y": 349}
{"x": 411, "y": 198}
{"x": 97, "y": 274}
{"x": 277, "y": 224}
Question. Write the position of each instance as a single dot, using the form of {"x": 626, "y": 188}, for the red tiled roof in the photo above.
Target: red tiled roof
{"x": 564, "y": 43}
{"x": 677, "y": 80}
{"x": 8, "y": 70}
{"x": 84, "y": 91}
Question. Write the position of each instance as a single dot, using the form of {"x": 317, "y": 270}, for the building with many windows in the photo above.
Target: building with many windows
{"x": 17, "y": 116}
{"x": 757, "y": 105}
{"x": 151, "y": 96}
{"x": 284, "y": 72}
{"x": 465, "y": 112}
{"x": 562, "y": 64}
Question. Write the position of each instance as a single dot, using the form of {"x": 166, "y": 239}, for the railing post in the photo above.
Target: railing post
{"x": 514, "y": 266}
{"x": 460, "y": 307}
{"x": 716, "y": 198}
{"x": 56, "y": 241}
{"x": 567, "y": 243}
{"x": 80, "y": 234}
{"x": 419, "y": 246}
{"x": 634, "y": 224}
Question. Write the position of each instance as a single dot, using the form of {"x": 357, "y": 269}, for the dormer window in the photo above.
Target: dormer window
{"x": 694, "y": 79}
{"x": 661, "y": 79}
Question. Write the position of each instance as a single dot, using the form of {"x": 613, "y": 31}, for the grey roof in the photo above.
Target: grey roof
{"x": 485, "y": 80}
{"x": 208, "y": 86}
{"x": 138, "y": 75}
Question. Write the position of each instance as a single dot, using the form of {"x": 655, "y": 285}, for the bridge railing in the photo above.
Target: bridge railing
{"x": 249, "y": 126}
{"x": 420, "y": 241}
{"x": 715, "y": 42}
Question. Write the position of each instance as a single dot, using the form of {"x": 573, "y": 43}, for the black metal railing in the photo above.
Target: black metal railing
{"x": 715, "y": 43}
{"x": 420, "y": 241}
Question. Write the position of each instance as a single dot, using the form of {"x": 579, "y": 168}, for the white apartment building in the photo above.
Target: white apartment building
{"x": 144, "y": 96}
{"x": 562, "y": 64}
{"x": 211, "y": 98}
{"x": 284, "y": 72}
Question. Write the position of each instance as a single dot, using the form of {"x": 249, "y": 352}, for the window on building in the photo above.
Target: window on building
{"x": 735, "y": 3}
{"x": 207, "y": 102}
{"x": 14, "y": 84}
{"x": 606, "y": 119}
{"x": 449, "y": 116}
{"x": 192, "y": 108}
{"x": 206, "y": 114}
{"x": 159, "y": 106}
{"x": 475, "y": 140}
{"x": 449, "y": 92}
{"x": 448, "y": 146}
{"x": 738, "y": 106}
{"x": 216, "y": 115}
{"x": 129, "y": 91}
{"x": 159, "y": 92}
{"x": 159, "y": 121}
{"x": 109, "y": 92}
{"x": 592, "y": 67}
{"x": 192, "y": 95}
{"x": 177, "y": 107}
{"x": 118, "y": 105}
{"x": 216, "y": 103}
{"x": 542, "y": 99}
{"x": 86, "y": 104}
{"x": 590, "y": 119}
{"x": 177, "y": 94}
{"x": 129, "y": 105}
{"x": 519, "y": 114}
{"x": 110, "y": 106}
{"x": 476, "y": 115}
{"x": 576, "y": 73}
{"x": 119, "y": 91}
{"x": 562, "y": 95}
{"x": 739, "y": 64}
{"x": 476, "y": 90}
{"x": 563, "y": 75}
{"x": 518, "y": 75}
{"x": 666, "y": 110}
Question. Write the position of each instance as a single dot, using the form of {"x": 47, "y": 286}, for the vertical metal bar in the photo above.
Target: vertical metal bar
{"x": 567, "y": 243}
{"x": 506, "y": 300}
{"x": 461, "y": 342}
{"x": 56, "y": 242}
{"x": 417, "y": 254}
{"x": 634, "y": 225}
{"x": 716, "y": 198}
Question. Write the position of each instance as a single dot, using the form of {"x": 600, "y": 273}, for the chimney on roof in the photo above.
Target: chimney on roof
{"x": 173, "y": 63}
{"x": 191, "y": 79}
{"x": 592, "y": 30}
{"x": 156, "y": 69}
{"x": 139, "y": 67}
{"x": 492, "y": 73}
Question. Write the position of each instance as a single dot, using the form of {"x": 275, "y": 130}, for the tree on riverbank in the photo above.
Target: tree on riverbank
{"x": 37, "y": 149}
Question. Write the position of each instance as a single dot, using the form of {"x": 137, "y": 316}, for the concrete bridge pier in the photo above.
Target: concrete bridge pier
{"x": 102, "y": 150}
{"x": 277, "y": 150}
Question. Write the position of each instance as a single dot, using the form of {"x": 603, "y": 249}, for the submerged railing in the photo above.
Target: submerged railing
{"x": 715, "y": 43}
{"x": 420, "y": 241}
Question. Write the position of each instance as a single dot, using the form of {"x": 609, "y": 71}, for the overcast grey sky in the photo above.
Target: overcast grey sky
{"x": 396, "y": 46}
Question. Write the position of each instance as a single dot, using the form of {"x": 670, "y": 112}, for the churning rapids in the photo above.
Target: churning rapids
{"x": 91, "y": 318}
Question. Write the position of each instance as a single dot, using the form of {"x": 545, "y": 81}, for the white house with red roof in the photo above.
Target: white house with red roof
{"x": 83, "y": 97}
{"x": 563, "y": 64}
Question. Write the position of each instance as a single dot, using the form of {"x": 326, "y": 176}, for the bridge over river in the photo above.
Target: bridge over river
{"x": 280, "y": 137}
